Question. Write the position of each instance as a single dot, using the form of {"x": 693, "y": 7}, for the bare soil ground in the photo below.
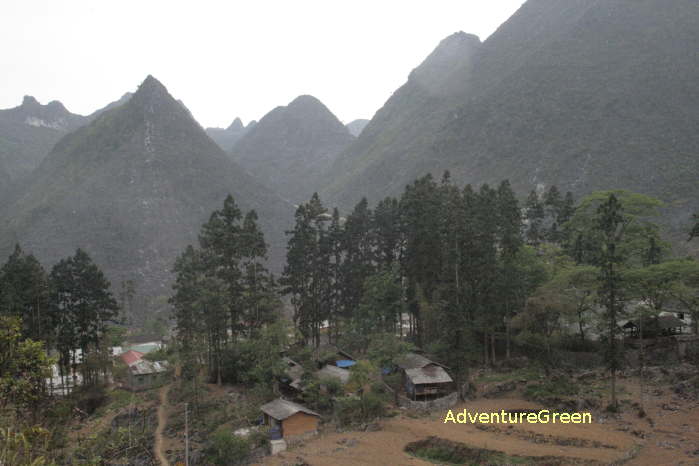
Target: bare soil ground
{"x": 162, "y": 422}
{"x": 664, "y": 437}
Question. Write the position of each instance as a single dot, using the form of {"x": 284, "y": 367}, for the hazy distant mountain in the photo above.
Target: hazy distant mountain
{"x": 124, "y": 98}
{"x": 29, "y": 131}
{"x": 585, "y": 94}
{"x": 226, "y": 138}
{"x": 388, "y": 152}
{"x": 357, "y": 126}
{"x": 133, "y": 188}
{"x": 291, "y": 147}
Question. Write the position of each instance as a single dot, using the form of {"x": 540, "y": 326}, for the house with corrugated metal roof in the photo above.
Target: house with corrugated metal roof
{"x": 144, "y": 374}
{"x": 424, "y": 379}
{"x": 288, "y": 420}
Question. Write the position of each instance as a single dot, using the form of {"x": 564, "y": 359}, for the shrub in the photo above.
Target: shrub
{"x": 554, "y": 387}
{"x": 227, "y": 449}
{"x": 353, "y": 411}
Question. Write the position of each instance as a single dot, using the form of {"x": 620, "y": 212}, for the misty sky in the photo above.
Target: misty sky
{"x": 228, "y": 58}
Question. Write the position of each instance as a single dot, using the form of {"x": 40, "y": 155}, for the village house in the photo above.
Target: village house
{"x": 144, "y": 374}
{"x": 334, "y": 372}
{"x": 332, "y": 355}
{"x": 288, "y": 422}
{"x": 424, "y": 379}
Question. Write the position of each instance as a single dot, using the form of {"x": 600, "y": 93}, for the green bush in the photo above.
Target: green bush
{"x": 554, "y": 387}
{"x": 353, "y": 411}
{"x": 227, "y": 449}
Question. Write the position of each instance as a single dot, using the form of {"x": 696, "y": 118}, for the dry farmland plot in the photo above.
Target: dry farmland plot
{"x": 672, "y": 440}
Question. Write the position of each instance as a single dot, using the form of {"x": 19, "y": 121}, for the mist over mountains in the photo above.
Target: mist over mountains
{"x": 226, "y": 138}
{"x": 291, "y": 147}
{"x": 583, "y": 94}
{"x": 132, "y": 188}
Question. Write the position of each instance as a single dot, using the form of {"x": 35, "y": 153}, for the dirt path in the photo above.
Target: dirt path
{"x": 162, "y": 422}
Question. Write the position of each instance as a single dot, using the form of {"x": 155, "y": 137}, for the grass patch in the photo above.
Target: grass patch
{"x": 555, "y": 387}
{"x": 442, "y": 451}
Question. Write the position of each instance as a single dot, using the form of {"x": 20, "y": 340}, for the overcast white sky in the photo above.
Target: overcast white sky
{"x": 228, "y": 58}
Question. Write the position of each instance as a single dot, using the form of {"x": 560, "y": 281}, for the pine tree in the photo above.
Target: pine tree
{"x": 553, "y": 204}
{"x": 611, "y": 224}
{"x": 511, "y": 282}
{"x": 358, "y": 264}
{"x": 420, "y": 210}
{"x": 259, "y": 300}
{"x": 24, "y": 293}
{"x": 81, "y": 307}
{"x": 387, "y": 233}
{"x": 306, "y": 274}
{"x": 220, "y": 241}
{"x": 535, "y": 218}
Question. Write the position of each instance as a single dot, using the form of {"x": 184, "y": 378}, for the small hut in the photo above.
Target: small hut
{"x": 288, "y": 420}
{"x": 144, "y": 374}
{"x": 424, "y": 379}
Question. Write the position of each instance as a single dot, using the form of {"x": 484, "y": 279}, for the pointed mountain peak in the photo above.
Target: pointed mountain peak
{"x": 153, "y": 97}
{"x": 237, "y": 125}
{"x": 29, "y": 101}
{"x": 151, "y": 86}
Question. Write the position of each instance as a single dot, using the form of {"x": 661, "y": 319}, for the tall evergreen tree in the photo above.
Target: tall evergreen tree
{"x": 81, "y": 307}
{"x": 534, "y": 211}
{"x": 220, "y": 241}
{"x": 420, "y": 210}
{"x": 24, "y": 293}
{"x": 357, "y": 245}
{"x": 306, "y": 274}
{"x": 611, "y": 224}
{"x": 387, "y": 232}
{"x": 259, "y": 299}
{"x": 511, "y": 281}
{"x": 553, "y": 204}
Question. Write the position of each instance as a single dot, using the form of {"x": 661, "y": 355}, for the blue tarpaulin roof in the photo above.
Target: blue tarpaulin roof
{"x": 345, "y": 363}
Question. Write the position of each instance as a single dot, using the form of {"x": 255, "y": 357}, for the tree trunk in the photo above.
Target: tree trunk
{"x": 507, "y": 337}
{"x": 485, "y": 348}
{"x": 492, "y": 348}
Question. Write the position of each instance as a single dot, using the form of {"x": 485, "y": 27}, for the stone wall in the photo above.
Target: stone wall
{"x": 438, "y": 404}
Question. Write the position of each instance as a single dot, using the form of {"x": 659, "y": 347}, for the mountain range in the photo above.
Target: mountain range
{"x": 226, "y": 138}
{"x": 291, "y": 147}
{"x": 356, "y": 127}
{"x": 583, "y": 94}
{"x": 132, "y": 188}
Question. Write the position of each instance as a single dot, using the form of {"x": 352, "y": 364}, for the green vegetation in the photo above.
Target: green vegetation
{"x": 443, "y": 451}
{"x": 227, "y": 449}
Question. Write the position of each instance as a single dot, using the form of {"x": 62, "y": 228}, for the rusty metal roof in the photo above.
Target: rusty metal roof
{"x": 281, "y": 409}
{"x": 428, "y": 374}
